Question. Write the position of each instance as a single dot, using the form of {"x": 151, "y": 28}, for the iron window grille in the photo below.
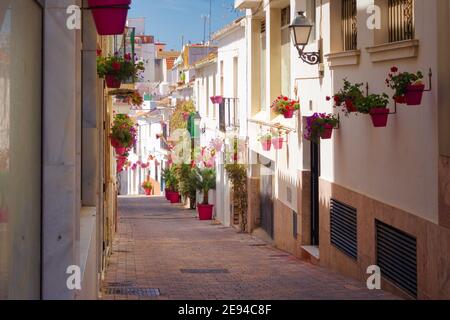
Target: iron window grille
{"x": 401, "y": 20}
{"x": 349, "y": 25}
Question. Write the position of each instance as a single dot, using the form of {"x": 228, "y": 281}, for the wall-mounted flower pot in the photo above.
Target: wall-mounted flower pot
{"x": 414, "y": 94}
{"x": 115, "y": 143}
{"x": 266, "y": 145}
{"x": 112, "y": 82}
{"x": 288, "y": 114}
{"x": 277, "y": 143}
{"x": 120, "y": 151}
{"x": 110, "y": 16}
{"x": 219, "y": 99}
{"x": 379, "y": 117}
{"x": 400, "y": 99}
{"x": 205, "y": 211}
{"x": 213, "y": 100}
{"x": 327, "y": 132}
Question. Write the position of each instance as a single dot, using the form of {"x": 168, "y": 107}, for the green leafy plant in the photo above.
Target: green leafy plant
{"x": 205, "y": 181}
{"x": 237, "y": 173}
{"x": 123, "y": 131}
{"x": 315, "y": 125}
{"x": 399, "y": 81}
{"x": 373, "y": 101}
{"x": 170, "y": 178}
{"x": 147, "y": 184}
{"x": 122, "y": 68}
{"x": 348, "y": 97}
{"x": 186, "y": 182}
{"x": 265, "y": 137}
{"x": 283, "y": 104}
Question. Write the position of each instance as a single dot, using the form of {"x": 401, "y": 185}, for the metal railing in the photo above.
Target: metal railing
{"x": 349, "y": 25}
{"x": 401, "y": 20}
{"x": 229, "y": 114}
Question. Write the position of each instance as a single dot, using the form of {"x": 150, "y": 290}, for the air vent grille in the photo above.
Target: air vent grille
{"x": 397, "y": 257}
{"x": 343, "y": 226}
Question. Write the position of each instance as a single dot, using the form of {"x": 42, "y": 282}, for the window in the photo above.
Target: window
{"x": 263, "y": 65}
{"x": 349, "y": 25}
{"x": 401, "y": 20}
{"x": 311, "y": 15}
{"x": 285, "y": 52}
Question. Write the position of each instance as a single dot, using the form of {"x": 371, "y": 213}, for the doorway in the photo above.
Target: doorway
{"x": 315, "y": 175}
{"x": 266, "y": 196}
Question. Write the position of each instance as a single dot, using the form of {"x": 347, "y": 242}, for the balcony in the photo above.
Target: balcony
{"x": 246, "y": 4}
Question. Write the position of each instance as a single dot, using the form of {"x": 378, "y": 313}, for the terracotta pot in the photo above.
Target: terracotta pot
{"x": 266, "y": 145}
{"x": 277, "y": 143}
{"x": 110, "y": 21}
{"x": 414, "y": 94}
{"x": 379, "y": 117}
{"x": 205, "y": 211}
{"x": 327, "y": 132}
{"x": 288, "y": 114}
{"x": 112, "y": 82}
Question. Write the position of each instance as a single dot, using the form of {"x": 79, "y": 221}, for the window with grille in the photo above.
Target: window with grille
{"x": 401, "y": 20}
{"x": 349, "y": 25}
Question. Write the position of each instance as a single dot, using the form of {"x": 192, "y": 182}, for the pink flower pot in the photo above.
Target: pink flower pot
{"x": 213, "y": 100}
{"x": 327, "y": 132}
{"x": 277, "y": 143}
{"x": 205, "y": 211}
{"x": 110, "y": 21}
{"x": 379, "y": 117}
{"x": 219, "y": 100}
{"x": 121, "y": 151}
{"x": 115, "y": 143}
{"x": 266, "y": 145}
{"x": 112, "y": 82}
{"x": 414, "y": 94}
{"x": 288, "y": 114}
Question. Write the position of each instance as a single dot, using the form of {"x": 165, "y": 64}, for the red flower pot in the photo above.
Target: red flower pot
{"x": 205, "y": 211}
{"x": 219, "y": 99}
{"x": 213, "y": 100}
{"x": 115, "y": 143}
{"x": 414, "y": 94}
{"x": 166, "y": 193}
{"x": 379, "y": 117}
{"x": 277, "y": 143}
{"x": 121, "y": 151}
{"x": 148, "y": 192}
{"x": 110, "y": 21}
{"x": 288, "y": 114}
{"x": 174, "y": 197}
{"x": 327, "y": 132}
{"x": 266, "y": 145}
{"x": 112, "y": 82}
{"x": 400, "y": 99}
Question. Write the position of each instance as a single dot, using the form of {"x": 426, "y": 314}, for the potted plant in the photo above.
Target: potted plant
{"x": 219, "y": 99}
{"x": 348, "y": 97}
{"x": 123, "y": 134}
{"x": 171, "y": 181}
{"x": 285, "y": 106}
{"x": 320, "y": 126}
{"x": 205, "y": 181}
{"x": 110, "y": 16}
{"x": 408, "y": 87}
{"x": 277, "y": 139}
{"x": 121, "y": 160}
{"x": 266, "y": 141}
{"x": 116, "y": 69}
{"x": 147, "y": 186}
{"x": 376, "y": 106}
{"x": 187, "y": 183}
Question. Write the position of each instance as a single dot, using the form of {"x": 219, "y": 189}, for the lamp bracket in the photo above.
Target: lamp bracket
{"x": 311, "y": 58}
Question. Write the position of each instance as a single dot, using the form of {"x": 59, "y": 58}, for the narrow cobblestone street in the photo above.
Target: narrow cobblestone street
{"x": 165, "y": 247}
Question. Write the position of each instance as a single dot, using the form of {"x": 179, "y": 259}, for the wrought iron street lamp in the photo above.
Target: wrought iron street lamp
{"x": 301, "y": 29}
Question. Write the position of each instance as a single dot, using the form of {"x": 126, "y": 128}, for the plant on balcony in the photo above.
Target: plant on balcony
{"x": 110, "y": 20}
{"x": 408, "y": 87}
{"x": 237, "y": 173}
{"x": 348, "y": 97}
{"x": 376, "y": 106}
{"x": 123, "y": 134}
{"x": 266, "y": 141}
{"x": 147, "y": 186}
{"x": 285, "y": 106}
{"x": 205, "y": 181}
{"x": 320, "y": 126}
{"x": 116, "y": 69}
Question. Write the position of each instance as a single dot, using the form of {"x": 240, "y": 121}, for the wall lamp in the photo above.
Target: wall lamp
{"x": 301, "y": 29}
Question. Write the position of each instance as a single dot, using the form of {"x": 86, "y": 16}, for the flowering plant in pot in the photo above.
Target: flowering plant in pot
{"x": 110, "y": 16}
{"x": 116, "y": 69}
{"x": 205, "y": 181}
{"x": 408, "y": 87}
{"x": 277, "y": 139}
{"x": 266, "y": 141}
{"x": 123, "y": 134}
{"x": 348, "y": 97}
{"x": 171, "y": 180}
{"x": 376, "y": 106}
{"x": 320, "y": 126}
{"x": 147, "y": 186}
{"x": 285, "y": 106}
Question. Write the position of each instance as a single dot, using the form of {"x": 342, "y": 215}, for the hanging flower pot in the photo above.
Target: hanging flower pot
{"x": 219, "y": 99}
{"x": 266, "y": 145}
{"x": 277, "y": 143}
{"x": 400, "y": 99}
{"x": 327, "y": 132}
{"x": 288, "y": 114}
{"x": 120, "y": 151}
{"x": 320, "y": 126}
{"x": 214, "y": 99}
{"x": 121, "y": 160}
{"x": 205, "y": 211}
{"x": 379, "y": 117}
{"x": 414, "y": 94}
{"x": 115, "y": 143}
{"x": 285, "y": 106}
{"x": 112, "y": 82}
{"x": 110, "y": 16}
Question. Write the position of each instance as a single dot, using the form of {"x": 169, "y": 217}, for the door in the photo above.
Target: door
{"x": 266, "y": 194}
{"x": 315, "y": 174}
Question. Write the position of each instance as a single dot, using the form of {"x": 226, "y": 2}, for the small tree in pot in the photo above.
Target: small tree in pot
{"x": 205, "y": 181}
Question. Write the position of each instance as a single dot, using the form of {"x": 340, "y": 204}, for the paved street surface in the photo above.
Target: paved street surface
{"x": 164, "y": 252}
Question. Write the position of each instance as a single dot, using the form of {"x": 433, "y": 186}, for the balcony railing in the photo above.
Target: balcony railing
{"x": 229, "y": 114}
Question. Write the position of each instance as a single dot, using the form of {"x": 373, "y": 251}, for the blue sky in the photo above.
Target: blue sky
{"x": 169, "y": 20}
